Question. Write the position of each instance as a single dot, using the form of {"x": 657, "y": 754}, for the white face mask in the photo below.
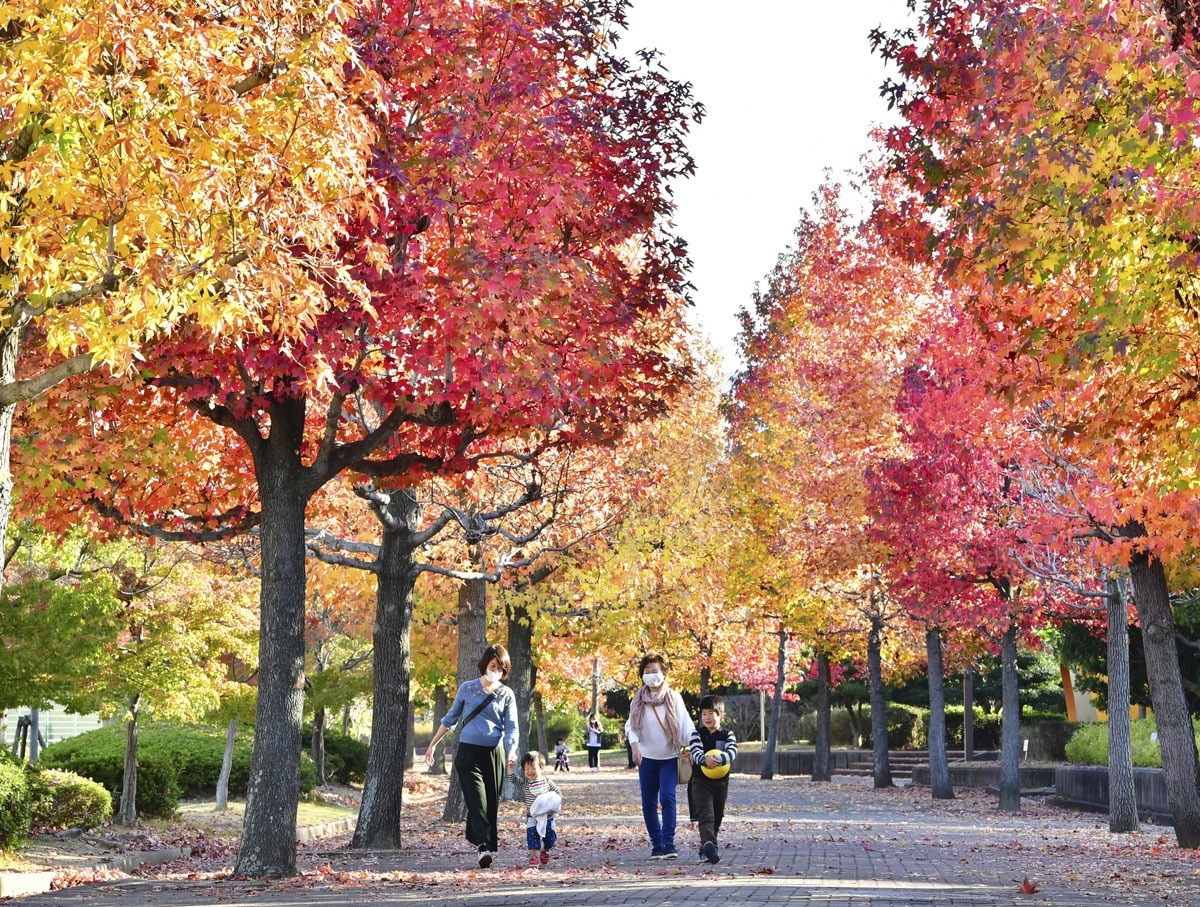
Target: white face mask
{"x": 652, "y": 679}
{"x": 495, "y": 676}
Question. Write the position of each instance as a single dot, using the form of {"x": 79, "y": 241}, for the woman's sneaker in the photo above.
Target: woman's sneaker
{"x": 544, "y": 858}
{"x": 657, "y": 854}
{"x": 671, "y": 854}
{"x": 709, "y": 852}
{"x": 534, "y": 861}
{"x": 485, "y": 857}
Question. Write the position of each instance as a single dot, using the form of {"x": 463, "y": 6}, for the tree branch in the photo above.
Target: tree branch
{"x": 29, "y": 388}
{"x": 249, "y": 521}
{"x": 340, "y": 560}
{"x": 355, "y": 453}
{"x": 259, "y": 76}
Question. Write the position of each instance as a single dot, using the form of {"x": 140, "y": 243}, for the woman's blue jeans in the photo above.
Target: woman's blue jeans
{"x": 658, "y": 778}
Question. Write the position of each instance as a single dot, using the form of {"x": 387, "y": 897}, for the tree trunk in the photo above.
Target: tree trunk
{"x": 879, "y": 739}
{"x": 1176, "y": 737}
{"x": 35, "y": 735}
{"x": 268, "y": 845}
{"x": 706, "y": 657}
{"x": 768, "y": 769}
{"x": 939, "y": 765}
{"x": 441, "y": 705}
{"x": 1122, "y": 798}
{"x": 520, "y": 678}
{"x": 1010, "y": 724}
{"x": 127, "y": 812}
{"x": 378, "y": 826}
{"x": 226, "y": 767}
{"x": 539, "y": 710}
{"x": 821, "y": 769}
{"x": 595, "y": 686}
{"x": 854, "y": 720}
{"x": 411, "y": 737}
{"x": 318, "y": 745}
{"x": 10, "y": 352}
{"x": 968, "y": 715}
{"x": 472, "y": 640}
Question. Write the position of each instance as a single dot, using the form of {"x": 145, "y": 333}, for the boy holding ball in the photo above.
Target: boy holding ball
{"x": 712, "y": 749}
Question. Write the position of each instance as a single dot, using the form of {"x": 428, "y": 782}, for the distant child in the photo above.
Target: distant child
{"x": 543, "y": 801}
{"x": 714, "y": 748}
{"x": 562, "y": 759}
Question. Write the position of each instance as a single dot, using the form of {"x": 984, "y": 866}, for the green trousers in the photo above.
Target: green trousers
{"x": 480, "y": 771}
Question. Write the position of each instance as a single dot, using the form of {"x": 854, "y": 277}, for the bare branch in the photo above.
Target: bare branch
{"x": 328, "y": 557}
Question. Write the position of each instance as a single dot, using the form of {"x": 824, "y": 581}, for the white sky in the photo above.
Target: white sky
{"x": 790, "y": 88}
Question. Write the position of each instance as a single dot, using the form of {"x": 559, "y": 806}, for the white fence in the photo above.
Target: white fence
{"x": 54, "y": 724}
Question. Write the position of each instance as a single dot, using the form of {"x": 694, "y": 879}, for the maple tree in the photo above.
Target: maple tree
{"x": 812, "y": 416}
{"x": 122, "y": 627}
{"x": 522, "y": 278}
{"x": 946, "y": 509}
{"x": 653, "y": 578}
{"x": 156, "y": 169}
{"x": 409, "y": 527}
{"x": 54, "y": 634}
{"x": 1056, "y": 147}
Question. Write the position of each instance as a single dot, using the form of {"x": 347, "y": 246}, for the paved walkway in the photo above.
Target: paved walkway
{"x": 785, "y": 840}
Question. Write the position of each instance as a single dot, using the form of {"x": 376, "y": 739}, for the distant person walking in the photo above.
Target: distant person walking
{"x": 658, "y": 728}
{"x": 489, "y": 734}
{"x": 595, "y": 738}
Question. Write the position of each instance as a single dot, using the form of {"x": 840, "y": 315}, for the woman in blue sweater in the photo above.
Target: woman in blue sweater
{"x": 489, "y": 732}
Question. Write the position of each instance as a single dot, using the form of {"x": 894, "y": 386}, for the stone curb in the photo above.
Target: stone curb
{"x": 308, "y": 833}
{"x": 17, "y": 884}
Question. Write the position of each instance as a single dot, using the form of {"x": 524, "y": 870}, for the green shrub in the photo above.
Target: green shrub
{"x": 63, "y": 799}
{"x": 987, "y": 729}
{"x": 805, "y": 728}
{"x": 100, "y": 755}
{"x": 345, "y": 757}
{"x": 1089, "y": 745}
{"x": 16, "y": 810}
{"x": 906, "y": 726}
{"x": 174, "y": 761}
{"x": 566, "y": 723}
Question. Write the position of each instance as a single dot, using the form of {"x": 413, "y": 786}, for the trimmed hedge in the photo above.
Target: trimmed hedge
{"x": 175, "y": 761}
{"x": 66, "y": 800}
{"x": 16, "y": 809}
{"x": 987, "y": 730}
{"x": 30, "y": 794}
{"x": 1089, "y": 744}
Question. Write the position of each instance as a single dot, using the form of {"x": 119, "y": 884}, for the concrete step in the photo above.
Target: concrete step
{"x": 900, "y": 763}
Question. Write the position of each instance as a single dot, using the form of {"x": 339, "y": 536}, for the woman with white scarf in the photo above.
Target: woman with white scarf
{"x": 658, "y": 728}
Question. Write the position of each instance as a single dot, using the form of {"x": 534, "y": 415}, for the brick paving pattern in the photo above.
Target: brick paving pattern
{"x": 787, "y": 841}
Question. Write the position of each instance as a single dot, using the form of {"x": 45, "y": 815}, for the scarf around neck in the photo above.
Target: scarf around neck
{"x": 647, "y": 697}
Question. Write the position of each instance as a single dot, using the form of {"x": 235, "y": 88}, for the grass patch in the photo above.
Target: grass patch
{"x": 203, "y": 814}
